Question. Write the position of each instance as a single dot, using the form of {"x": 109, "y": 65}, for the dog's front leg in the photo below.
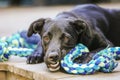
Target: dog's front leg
{"x": 99, "y": 43}
{"x": 102, "y": 44}
{"x": 88, "y": 56}
{"x": 37, "y": 56}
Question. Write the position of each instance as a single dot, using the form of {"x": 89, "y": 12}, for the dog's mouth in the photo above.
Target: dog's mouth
{"x": 54, "y": 64}
{"x": 54, "y": 67}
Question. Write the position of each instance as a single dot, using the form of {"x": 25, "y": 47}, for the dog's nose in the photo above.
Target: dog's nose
{"x": 53, "y": 57}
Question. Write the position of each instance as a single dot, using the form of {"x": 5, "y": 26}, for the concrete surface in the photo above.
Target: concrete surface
{"x": 19, "y": 18}
{"x": 14, "y": 19}
{"x": 23, "y": 71}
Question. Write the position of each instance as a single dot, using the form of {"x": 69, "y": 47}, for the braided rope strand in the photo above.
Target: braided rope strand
{"x": 18, "y": 44}
{"x": 103, "y": 61}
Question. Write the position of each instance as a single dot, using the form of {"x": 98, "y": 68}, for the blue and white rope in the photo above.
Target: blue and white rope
{"x": 103, "y": 61}
{"x": 18, "y": 44}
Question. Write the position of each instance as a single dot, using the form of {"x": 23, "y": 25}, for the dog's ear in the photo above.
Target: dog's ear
{"x": 36, "y": 27}
{"x": 79, "y": 25}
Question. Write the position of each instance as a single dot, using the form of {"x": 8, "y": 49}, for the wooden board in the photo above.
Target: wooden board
{"x": 40, "y": 72}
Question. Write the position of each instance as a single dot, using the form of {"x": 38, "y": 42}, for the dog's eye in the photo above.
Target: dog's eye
{"x": 46, "y": 39}
{"x": 66, "y": 39}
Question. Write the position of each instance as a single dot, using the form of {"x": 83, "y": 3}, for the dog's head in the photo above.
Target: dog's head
{"x": 59, "y": 36}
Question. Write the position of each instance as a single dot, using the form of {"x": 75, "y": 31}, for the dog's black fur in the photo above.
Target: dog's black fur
{"x": 88, "y": 24}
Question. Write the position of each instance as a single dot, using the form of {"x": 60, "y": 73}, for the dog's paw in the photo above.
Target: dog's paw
{"x": 34, "y": 58}
{"x": 85, "y": 58}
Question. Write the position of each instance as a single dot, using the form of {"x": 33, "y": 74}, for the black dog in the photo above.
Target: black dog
{"x": 88, "y": 24}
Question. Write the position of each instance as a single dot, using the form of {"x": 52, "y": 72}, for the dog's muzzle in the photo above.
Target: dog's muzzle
{"x": 52, "y": 61}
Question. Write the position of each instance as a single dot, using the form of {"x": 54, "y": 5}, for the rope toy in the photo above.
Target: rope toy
{"x": 103, "y": 61}
{"x": 18, "y": 44}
